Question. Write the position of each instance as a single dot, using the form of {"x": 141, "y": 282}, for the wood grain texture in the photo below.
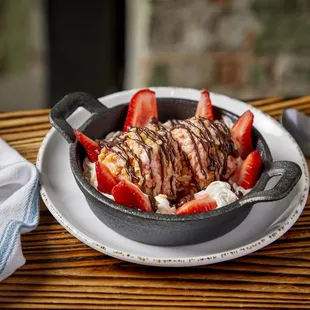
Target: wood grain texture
{"x": 63, "y": 273}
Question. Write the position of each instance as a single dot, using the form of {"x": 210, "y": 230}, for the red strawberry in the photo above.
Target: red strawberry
{"x": 129, "y": 194}
{"x": 241, "y": 132}
{"x": 106, "y": 180}
{"x": 249, "y": 172}
{"x": 92, "y": 148}
{"x": 204, "y": 107}
{"x": 201, "y": 204}
{"x": 141, "y": 109}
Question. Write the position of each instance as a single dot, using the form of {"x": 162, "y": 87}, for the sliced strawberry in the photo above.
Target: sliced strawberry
{"x": 106, "y": 180}
{"x": 249, "y": 172}
{"x": 201, "y": 204}
{"x": 142, "y": 108}
{"x": 241, "y": 132}
{"x": 129, "y": 194}
{"x": 204, "y": 107}
{"x": 92, "y": 148}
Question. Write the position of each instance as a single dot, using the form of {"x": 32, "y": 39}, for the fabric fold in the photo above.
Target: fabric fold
{"x": 19, "y": 206}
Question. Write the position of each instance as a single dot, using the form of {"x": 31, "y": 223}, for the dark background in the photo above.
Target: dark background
{"x": 86, "y": 47}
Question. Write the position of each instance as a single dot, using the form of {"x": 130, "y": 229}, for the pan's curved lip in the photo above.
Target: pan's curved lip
{"x": 102, "y": 199}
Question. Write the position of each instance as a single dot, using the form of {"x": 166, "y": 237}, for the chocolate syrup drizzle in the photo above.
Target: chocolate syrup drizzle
{"x": 214, "y": 137}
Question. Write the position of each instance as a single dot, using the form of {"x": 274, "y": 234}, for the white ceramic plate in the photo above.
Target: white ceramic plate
{"x": 266, "y": 222}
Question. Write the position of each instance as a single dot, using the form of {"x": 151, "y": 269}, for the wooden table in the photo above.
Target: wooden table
{"x": 63, "y": 273}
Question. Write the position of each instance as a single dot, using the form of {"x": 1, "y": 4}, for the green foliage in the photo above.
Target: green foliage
{"x": 160, "y": 75}
{"x": 14, "y": 30}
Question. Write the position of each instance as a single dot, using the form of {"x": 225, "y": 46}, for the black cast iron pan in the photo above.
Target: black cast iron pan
{"x": 160, "y": 229}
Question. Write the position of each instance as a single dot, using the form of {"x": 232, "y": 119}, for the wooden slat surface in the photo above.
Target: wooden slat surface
{"x": 63, "y": 273}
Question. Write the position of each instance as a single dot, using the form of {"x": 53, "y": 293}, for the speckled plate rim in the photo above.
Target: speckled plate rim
{"x": 230, "y": 254}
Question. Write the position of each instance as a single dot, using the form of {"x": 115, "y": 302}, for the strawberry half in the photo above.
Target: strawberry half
{"x": 204, "y": 107}
{"x": 106, "y": 180}
{"x": 249, "y": 172}
{"x": 142, "y": 108}
{"x": 241, "y": 132}
{"x": 92, "y": 148}
{"x": 201, "y": 204}
{"x": 129, "y": 194}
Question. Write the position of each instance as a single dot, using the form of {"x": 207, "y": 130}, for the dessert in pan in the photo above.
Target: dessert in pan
{"x": 176, "y": 167}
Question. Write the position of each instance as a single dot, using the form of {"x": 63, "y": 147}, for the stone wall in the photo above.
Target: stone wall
{"x": 243, "y": 48}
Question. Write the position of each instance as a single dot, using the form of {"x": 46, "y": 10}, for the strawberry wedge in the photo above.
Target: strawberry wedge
{"x": 142, "y": 108}
{"x": 241, "y": 132}
{"x": 106, "y": 181}
{"x": 204, "y": 107}
{"x": 249, "y": 172}
{"x": 128, "y": 194}
{"x": 92, "y": 148}
{"x": 201, "y": 204}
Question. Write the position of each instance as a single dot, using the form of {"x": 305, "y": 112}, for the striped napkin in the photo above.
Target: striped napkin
{"x": 19, "y": 207}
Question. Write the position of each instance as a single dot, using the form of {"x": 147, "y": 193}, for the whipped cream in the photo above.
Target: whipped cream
{"x": 89, "y": 172}
{"x": 220, "y": 192}
{"x": 111, "y": 135}
{"x": 240, "y": 189}
{"x": 227, "y": 121}
{"x": 108, "y": 195}
{"x": 163, "y": 205}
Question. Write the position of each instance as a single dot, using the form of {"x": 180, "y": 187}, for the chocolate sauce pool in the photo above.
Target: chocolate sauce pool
{"x": 215, "y": 138}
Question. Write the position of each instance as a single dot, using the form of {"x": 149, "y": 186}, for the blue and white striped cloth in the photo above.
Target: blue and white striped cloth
{"x": 19, "y": 206}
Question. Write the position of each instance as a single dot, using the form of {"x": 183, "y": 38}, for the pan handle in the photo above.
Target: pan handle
{"x": 66, "y": 106}
{"x": 290, "y": 174}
